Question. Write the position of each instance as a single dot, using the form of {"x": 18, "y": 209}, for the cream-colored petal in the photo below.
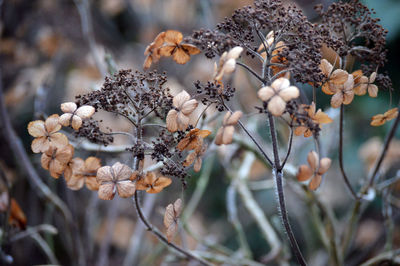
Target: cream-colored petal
{"x": 104, "y": 174}
{"x": 360, "y": 89}
{"x": 36, "y": 128}
{"x": 229, "y": 66}
{"x": 280, "y": 84}
{"x": 218, "y": 136}
{"x": 234, "y": 118}
{"x": 324, "y": 165}
{"x": 372, "y": 77}
{"x": 121, "y": 171}
{"x": 189, "y": 106}
{"x": 326, "y": 67}
{"x": 85, "y": 111}
{"x": 52, "y": 124}
{"x": 348, "y": 96}
{"x": 339, "y": 76}
{"x": 180, "y": 99}
{"x": 234, "y": 53}
{"x": 337, "y": 99}
{"x": 183, "y": 121}
{"x": 65, "y": 119}
{"x": 276, "y": 105}
{"x": 58, "y": 139}
{"x": 76, "y": 122}
{"x": 227, "y": 136}
{"x": 289, "y": 93}
{"x": 126, "y": 188}
{"x": 372, "y": 90}
{"x": 40, "y": 144}
{"x": 68, "y": 107}
{"x": 312, "y": 159}
{"x": 265, "y": 93}
{"x": 107, "y": 191}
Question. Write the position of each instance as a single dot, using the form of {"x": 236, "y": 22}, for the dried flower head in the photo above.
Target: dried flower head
{"x": 314, "y": 170}
{"x": 380, "y": 119}
{"x": 277, "y": 95}
{"x": 152, "y": 51}
{"x": 83, "y": 172}
{"x": 196, "y": 158}
{"x": 227, "y": 63}
{"x": 178, "y": 118}
{"x": 343, "y": 94}
{"x": 152, "y": 184}
{"x": 333, "y": 78}
{"x": 364, "y": 84}
{"x": 73, "y": 115}
{"x": 114, "y": 179}
{"x": 317, "y": 117}
{"x": 174, "y": 47}
{"x": 55, "y": 159}
{"x": 172, "y": 213}
{"x": 45, "y": 133}
{"x": 225, "y": 133}
{"x": 193, "y": 140}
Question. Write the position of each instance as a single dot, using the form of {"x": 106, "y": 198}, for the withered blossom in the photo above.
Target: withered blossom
{"x": 277, "y": 95}
{"x": 55, "y": 159}
{"x": 317, "y": 117}
{"x": 365, "y": 84}
{"x": 46, "y": 134}
{"x": 172, "y": 213}
{"x": 314, "y": 170}
{"x": 73, "y": 115}
{"x": 196, "y": 158}
{"x": 193, "y": 140}
{"x": 227, "y": 63}
{"x": 225, "y": 133}
{"x": 152, "y": 184}
{"x": 115, "y": 179}
{"x": 343, "y": 94}
{"x": 380, "y": 119}
{"x": 178, "y": 118}
{"x": 152, "y": 51}
{"x": 174, "y": 47}
{"x": 334, "y": 78}
{"x": 83, "y": 172}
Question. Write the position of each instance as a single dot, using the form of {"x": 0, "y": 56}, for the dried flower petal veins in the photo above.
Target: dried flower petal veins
{"x": 172, "y": 213}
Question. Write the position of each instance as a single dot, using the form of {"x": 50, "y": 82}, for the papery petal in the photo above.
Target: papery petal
{"x": 229, "y": 66}
{"x": 121, "y": 171}
{"x": 45, "y": 161}
{"x": 56, "y": 168}
{"x": 280, "y": 84}
{"x": 92, "y": 164}
{"x": 348, "y": 96}
{"x": 104, "y": 174}
{"x": 65, "y": 154}
{"x": 338, "y": 76}
{"x": 315, "y": 182}
{"x": 312, "y": 159}
{"x": 52, "y": 124}
{"x": 58, "y": 139}
{"x": 180, "y": 99}
{"x": 167, "y": 50}
{"x": 40, "y": 144}
{"x": 173, "y": 37}
{"x": 326, "y": 89}
{"x": 391, "y": 114}
{"x": 324, "y": 165}
{"x": 126, "y": 188}
{"x": 76, "y": 122}
{"x": 360, "y": 89}
{"x": 233, "y": 118}
{"x": 183, "y": 121}
{"x": 218, "y": 136}
{"x": 276, "y": 106}
{"x": 197, "y": 164}
{"x": 372, "y": 90}
{"x": 37, "y": 128}
{"x": 337, "y": 99}
{"x": 189, "y": 159}
{"x": 322, "y": 118}
{"x": 191, "y": 49}
{"x": 85, "y": 111}
{"x": 68, "y": 107}
{"x": 265, "y": 93}
{"x": 106, "y": 191}
{"x": 180, "y": 56}
{"x": 227, "y": 136}
{"x": 189, "y": 106}
{"x": 235, "y": 52}
{"x": 326, "y": 67}
{"x": 172, "y": 117}
{"x": 91, "y": 183}
{"x": 378, "y": 120}
{"x": 372, "y": 77}
{"x": 75, "y": 182}
{"x": 162, "y": 182}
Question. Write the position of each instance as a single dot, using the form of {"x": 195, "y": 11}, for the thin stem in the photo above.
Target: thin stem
{"x": 289, "y": 147}
{"x": 155, "y": 232}
{"x": 271, "y": 121}
{"x": 346, "y": 180}
{"x": 251, "y": 71}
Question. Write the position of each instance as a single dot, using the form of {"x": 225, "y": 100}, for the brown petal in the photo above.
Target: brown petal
{"x": 233, "y": 118}
{"x": 52, "y": 124}
{"x": 348, "y": 96}
{"x": 219, "y": 135}
{"x": 372, "y": 90}
{"x": 162, "y": 182}
{"x": 56, "y": 168}
{"x": 167, "y": 50}
{"x": 326, "y": 89}
{"x": 391, "y": 114}
{"x": 315, "y": 182}
{"x": 40, "y": 144}
{"x": 378, "y": 120}
{"x": 189, "y": 159}
{"x": 126, "y": 188}
{"x": 337, "y": 99}
{"x": 183, "y": 121}
{"x": 197, "y": 164}
{"x": 76, "y": 182}
{"x": 312, "y": 159}
{"x": 180, "y": 56}
{"x": 304, "y": 173}
{"x": 227, "y": 136}
{"x": 92, "y": 164}
{"x": 65, "y": 119}
{"x": 326, "y": 67}
{"x": 91, "y": 183}
{"x": 58, "y": 139}
{"x": 324, "y": 165}
{"x": 45, "y": 161}
{"x": 322, "y": 118}
{"x": 68, "y": 107}
{"x": 65, "y": 154}
{"x": 191, "y": 49}
{"x": 173, "y": 37}
{"x": 178, "y": 207}
{"x": 172, "y": 117}
{"x": 180, "y": 99}
{"x": 106, "y": 191}
{"x": 85, "y": 111}
{"x": 36, "y": 128}
{"x": 339, "y": 76}
{"x": 104, "y": 175}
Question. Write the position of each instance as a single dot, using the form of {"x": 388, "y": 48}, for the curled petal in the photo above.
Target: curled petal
{"x": 378, "y": 120}
{"x": 235, "y": 52}
{"x": 233, "y": 118}
{"x": 337, "y": 99}
{"x": 280, "y": 84}
{"x": 76, "y": 122}
{"x": 197, "y": 164}
{"x": 326, "y": 67}
{"x": 219, "y": 135}
{"x": 339, "y": 76}
{"x": 348, "y": 96}
{"x": 189, "y": 159}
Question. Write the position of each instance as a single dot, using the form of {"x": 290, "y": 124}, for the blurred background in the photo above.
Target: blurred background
{"x": 51, "y": 51}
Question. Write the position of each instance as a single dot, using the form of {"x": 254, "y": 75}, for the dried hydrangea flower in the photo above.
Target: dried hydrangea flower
{"x": 83, "y": 172}
{"x": 364, "y": 84}
{"x": 152, "y": 51}
{"x": 195, "y": 157}
{"x": 277, "y": 95}
{"x": 343, "y": 94}
{"x": 227, "y": 63}
{"x": 114, "y": 179}
{"x": 318, "y": 117}
{"x": 73, "y": 115}
{"x": 193, "y": 140}
{"x": 334, "y": 78}
{"x": 314, "y": 170}
{"x": 174, "y": 47}
{"x": 55, "y": 159}
{"x": 225, "y": 133}
{"x": 380, "y": 119}
{"x": 45, "y": 133}
{"x": 172, "y": 213}
{"x": 178, "y": 118}
{"x": 152, "y": 184}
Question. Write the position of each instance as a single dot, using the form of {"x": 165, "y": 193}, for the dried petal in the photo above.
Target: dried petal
{"x": 85, "y": 111}
{"x": 315, "y": 182}
{"x": 68, "y": 107}
{"x": 313, "y": 159}
{"x": 304, "y": 173}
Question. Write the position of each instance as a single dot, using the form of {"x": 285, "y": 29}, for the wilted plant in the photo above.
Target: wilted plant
{"x": 286, "y": 49}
